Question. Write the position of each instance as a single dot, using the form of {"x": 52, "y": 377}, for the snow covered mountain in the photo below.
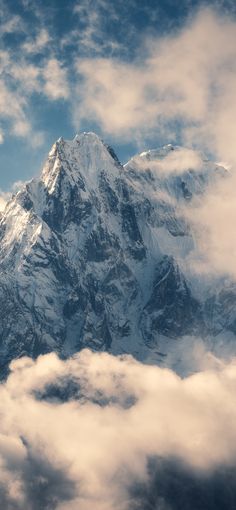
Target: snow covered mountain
{"x": 96, "y": 254}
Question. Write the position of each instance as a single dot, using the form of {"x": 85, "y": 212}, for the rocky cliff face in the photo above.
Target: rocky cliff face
{"x": 94, "y": 254}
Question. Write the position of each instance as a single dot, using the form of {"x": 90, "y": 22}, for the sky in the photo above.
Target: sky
{"x": 140, "y": 74}
{"x": 69, "y": 66}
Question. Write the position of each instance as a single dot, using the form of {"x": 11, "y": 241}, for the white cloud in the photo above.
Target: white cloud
{"x": 56, "y": 85}
{"x": 183, "y": 83}
{"x": 120, "y": 413}
{"x": 28, "y": 67}
{"x": 3, "y": 201}
{"x": 27, "y": 75}
{"x": 11, "y": 105}
{"x": 91, "y": 35}
{"x": 213, "y": 219}
{"x": 5, "y": 196}
{"x": 174, "y": 162}
{"x": 14, "y": 103}
{"x": 37, "y": 44}
{"x": 10, "y": 24}
{"x": 20, "y": 79}
{"x": 189, "y": 76}
{"x": 180, "y": 160}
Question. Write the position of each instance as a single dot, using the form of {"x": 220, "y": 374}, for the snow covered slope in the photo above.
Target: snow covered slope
{"x": 94, "y": 254}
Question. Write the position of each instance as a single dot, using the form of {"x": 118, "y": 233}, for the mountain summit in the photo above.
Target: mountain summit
{"x": 83, "y": 157}
{"x": 94, "y": 254}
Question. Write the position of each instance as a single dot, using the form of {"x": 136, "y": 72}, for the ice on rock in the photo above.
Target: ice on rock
{"x": 94, "y": 254}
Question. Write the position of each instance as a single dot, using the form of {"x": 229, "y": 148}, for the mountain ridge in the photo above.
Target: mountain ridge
{"x": 95, "y": 254}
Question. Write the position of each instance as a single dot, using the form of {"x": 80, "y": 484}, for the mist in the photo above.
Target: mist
{"x": 112, "y": 432}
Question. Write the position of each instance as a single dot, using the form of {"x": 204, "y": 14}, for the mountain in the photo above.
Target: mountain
{"x": 96, "y": 254}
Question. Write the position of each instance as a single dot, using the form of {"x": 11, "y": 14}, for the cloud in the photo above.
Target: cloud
{"x": 15, "y": 84}
{"x": 180, "y": 160}
{"x": 37, "y": 44}
{"x": 79, "y": 433}
{"x": 4, "y": 197}
{"x": 20, "y": 80}
{"x": 11, "y": 24}
{"x": 173, "y": 162}
{"x": 189, "y": 76}
{"x": 12, "y": 107}
{"x": 56, "y": 85}
{"x": 92, "y": 34}
{"x": 180, "y": 86}
{"x": 213, "y": 218}
{"x": 108, "y": 96}
{"x": 29, "y": 69}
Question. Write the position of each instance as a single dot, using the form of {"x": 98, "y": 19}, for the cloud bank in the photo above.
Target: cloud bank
{"x": 82, "y": 432}
{"x": 213, "y": 220}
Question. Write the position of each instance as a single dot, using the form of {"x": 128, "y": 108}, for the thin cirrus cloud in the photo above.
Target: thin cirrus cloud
{"x": 112, "y": 415}
{"x": 38, "y": 43}
{"x": 29, "y": 68}
{"x": 20, "y": 80}
{"x": 11, "y": 25}
{"x": 92, "y": 35}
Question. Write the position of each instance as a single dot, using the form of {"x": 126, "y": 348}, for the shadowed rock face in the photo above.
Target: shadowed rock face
{"x": 93, "y": 254}
{"x": 171, "y": 308}
{"x": 172, "y": 486}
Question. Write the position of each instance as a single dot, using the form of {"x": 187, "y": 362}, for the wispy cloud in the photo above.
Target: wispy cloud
{"x": 172, "y": 162}
{"x": 23, "y": 75}
{"x": 180, "y": 86}
{"x": 4, "y": 197}
{"x": 213, "y": 218}
{"x": 92, "y": 35}
{"x": 10, "y": 24}
{"x": 38, "y": 43}
{"x": 56, "y": 85}
{"x": 188, "y": 77}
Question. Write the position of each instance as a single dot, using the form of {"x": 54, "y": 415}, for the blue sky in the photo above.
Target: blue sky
{"x": 75, "y": 65}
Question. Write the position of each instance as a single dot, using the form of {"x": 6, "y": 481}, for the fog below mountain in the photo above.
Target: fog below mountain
{"x": 115, "y": 433}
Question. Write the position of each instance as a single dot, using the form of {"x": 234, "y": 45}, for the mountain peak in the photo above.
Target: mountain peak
{"x": 94, "y": 256}
{"x": 86, "y": 154}
{"x": 80, "y": 141}
{"x": 81, "y": 138}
